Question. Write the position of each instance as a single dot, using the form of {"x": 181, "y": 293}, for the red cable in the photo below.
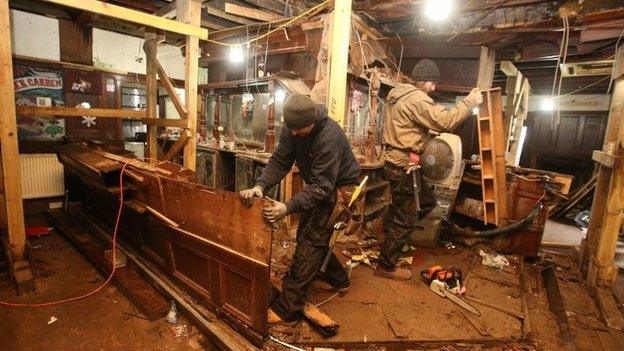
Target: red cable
{"x": 98, "y": 289}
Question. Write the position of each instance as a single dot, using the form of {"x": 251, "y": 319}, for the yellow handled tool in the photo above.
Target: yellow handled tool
{"x": 341, "y": 224}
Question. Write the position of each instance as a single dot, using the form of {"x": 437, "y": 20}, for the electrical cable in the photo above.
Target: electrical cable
{"x": 400, "y": 58}
{"x": 497, "y": 231}
{"x": 110, "y": 276}
{"x": 284, "y": 25}
{"x": 582, "y": 88}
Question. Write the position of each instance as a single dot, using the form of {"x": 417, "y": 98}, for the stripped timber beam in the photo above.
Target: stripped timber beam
{"x": 12, "y": 210}
{"x": 249, "y": 12}
{"x": 189, "y": 11}
{"x": 79, "y": 112}
{"x": 166, "y": 10}
{"x": 340, "y": 33}
{"x": 606, "y": 212}
{"x": 135, "y": 16}
{"x": 213, "y": 11}
{"x": 177, "y": 146}
{"x": 151, "y": 84}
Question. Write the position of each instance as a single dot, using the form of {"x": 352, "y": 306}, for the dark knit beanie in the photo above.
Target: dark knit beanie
{"x": 426, "y": 71}
{"x": 299, "y": 111}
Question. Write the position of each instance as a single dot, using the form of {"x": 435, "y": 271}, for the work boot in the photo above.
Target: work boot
{"x": 321, "y": 286}
{"x": 273, "y": 318}
{"x": 396, "y": 273}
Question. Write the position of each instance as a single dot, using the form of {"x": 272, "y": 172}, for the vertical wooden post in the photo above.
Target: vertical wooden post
{"x": 12, "y": 210}
{"x": 217, "y": 119}
{"x": 606, "y": 212}
{"x": 340, "y": 34}
{"x": 189, "y": 11}
{"x": 151, "y": 84}
{"x": 269, "y": 139}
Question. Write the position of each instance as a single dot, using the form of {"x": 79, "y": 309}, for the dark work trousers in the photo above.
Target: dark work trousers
{"x": 313, "y": 236}
{"x": 401, "y": 218}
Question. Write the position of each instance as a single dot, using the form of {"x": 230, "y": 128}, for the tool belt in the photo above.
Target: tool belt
{"x": 341, "y": 212}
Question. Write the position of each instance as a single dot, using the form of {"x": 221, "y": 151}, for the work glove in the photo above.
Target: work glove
{"x": 274, "y": 212}
{"x": 248, "y": 194}
{"x": 474, "y": 99}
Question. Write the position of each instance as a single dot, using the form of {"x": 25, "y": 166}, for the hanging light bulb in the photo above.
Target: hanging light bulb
{"x": 548, "y": 104}
{"x": 438, "y": 10}
{"x": 236, "y": 54}
{"x": 280, "y": 95}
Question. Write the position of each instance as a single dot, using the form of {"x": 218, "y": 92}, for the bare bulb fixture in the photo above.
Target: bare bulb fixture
{"x": 438, "y": 10}
{"x": 280, "y": 95}
{"x": 236, "y": 54}
{"x": 548, "y": 104}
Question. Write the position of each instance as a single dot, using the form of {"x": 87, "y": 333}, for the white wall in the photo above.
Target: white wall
{"x": 35, "y": 36}
{"x": 118, "y": 51}
{"x": 38, "y": 36}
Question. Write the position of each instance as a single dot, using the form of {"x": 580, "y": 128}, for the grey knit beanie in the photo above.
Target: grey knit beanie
{"x": 299, "y": 111}
{"x": 426, "y": 71}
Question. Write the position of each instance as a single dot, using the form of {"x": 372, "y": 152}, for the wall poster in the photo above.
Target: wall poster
{"x": 43, "y": 87}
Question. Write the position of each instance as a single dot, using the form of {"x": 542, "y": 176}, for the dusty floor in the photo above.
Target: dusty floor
{"x": 107, "y": 321}
{"x": 374, "y": 310}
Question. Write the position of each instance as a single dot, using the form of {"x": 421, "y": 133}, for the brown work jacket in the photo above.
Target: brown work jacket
{"x": 410, "y": 114}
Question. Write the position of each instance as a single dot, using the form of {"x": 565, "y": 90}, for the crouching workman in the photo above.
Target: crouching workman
{"x": 410, "y": 115}
{"x": 326, "y": 163}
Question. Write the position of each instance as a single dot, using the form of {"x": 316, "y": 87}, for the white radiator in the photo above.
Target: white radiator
{"x": 42, "y": 176}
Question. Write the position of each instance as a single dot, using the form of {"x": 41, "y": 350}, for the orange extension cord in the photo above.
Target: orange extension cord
{"x": 112, "y": 273}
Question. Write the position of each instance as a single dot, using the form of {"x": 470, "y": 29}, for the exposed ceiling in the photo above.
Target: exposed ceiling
{"x": 525, "y": 31}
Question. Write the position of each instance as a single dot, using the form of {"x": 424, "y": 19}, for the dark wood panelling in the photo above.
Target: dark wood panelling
{"x": 76, "y": 43}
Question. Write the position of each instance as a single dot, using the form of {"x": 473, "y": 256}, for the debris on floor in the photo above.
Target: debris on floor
{"x": 492, "y": 260}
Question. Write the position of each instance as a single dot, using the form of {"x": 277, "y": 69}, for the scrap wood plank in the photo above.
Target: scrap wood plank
{"x": 139, "y": 292}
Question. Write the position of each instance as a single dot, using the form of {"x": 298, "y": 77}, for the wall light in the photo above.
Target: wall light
{"x": 475, "y": 111}
{"x": 236, "y": 54}
{"x": 547, "y": 104}
{"x": 438, "y": 10}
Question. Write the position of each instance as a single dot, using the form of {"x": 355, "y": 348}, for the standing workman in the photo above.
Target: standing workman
{"x": 326, "y": 163}
{"x": 410, "y": 115}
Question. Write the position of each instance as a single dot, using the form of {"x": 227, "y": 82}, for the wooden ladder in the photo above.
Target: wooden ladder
{"x": 492, "y": 151}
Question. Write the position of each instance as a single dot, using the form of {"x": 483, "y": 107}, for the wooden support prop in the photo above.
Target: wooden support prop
{"x": 78, "y": 112}
{"x": 189, "y": 11}
{"x": 12, "y": 210}
{"x": 249, "y": 12}
{"x": 151, "y": 84}
{"x": 134, "y": 16}
{"x": 177, "y": 146}
{"x": 340, "y": 34}
{"x": 169, "y": 87}
{"x": 606, "y": 213}
{"x": 133, "y": 115}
